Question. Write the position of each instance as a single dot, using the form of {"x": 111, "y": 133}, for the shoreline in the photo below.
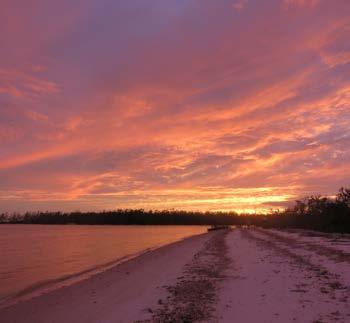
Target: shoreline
{"x": 120, "y": 276}
{"x": 30, "y": 269}
{"x": 44, "y": 287}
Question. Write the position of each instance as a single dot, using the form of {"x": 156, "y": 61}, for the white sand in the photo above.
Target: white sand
{"x": 277, "y": 282}
{"x": 273, "y": 278}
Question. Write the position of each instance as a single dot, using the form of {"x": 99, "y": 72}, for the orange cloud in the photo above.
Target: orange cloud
{"x": 203, "y": 108}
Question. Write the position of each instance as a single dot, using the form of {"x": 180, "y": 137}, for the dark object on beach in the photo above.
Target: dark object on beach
{"x": 219, "y": 227}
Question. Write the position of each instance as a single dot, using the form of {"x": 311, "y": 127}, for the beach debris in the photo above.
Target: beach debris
{"x": 195, "y": 294}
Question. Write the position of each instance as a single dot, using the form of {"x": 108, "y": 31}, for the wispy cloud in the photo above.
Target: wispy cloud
{"x": 23, "y": 85}
{"x": 239, "y": 5}
{"x": 301, "y": 3}
{"x": 175, "y": 105}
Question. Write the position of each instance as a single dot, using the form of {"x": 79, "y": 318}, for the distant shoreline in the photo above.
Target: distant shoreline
{"x": 342, "y": 229}
{"x": 312, "y": 213}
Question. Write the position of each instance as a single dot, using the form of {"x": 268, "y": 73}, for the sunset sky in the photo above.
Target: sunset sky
{"x": 188, "y": 104}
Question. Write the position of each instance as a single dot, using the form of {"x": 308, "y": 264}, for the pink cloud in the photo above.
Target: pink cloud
{"x": 36, "y": 116}
{"x": 24, "y": 85}
{"x": 301, "y": 3}
{"x": 188, "y": 106}
{"x": 239, "y": 5}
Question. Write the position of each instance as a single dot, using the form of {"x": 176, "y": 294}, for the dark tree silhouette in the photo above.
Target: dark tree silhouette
{"x": 343, "y": 197}
{"x": 314, "y": 213}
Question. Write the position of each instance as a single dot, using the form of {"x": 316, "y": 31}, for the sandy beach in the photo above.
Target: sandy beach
{"x": 242, "y": 275}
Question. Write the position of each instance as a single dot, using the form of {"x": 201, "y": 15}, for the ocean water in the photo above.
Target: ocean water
{"x": 39, "y": 258}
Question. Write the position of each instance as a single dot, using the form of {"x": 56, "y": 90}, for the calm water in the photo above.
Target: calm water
{"x": 34, "y": 258}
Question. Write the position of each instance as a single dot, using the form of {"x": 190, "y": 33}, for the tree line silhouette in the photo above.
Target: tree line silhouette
{"x": 312, "y": 213}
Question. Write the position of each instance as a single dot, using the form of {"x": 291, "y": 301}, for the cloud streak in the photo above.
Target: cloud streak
{"x": 177, "y": 104}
